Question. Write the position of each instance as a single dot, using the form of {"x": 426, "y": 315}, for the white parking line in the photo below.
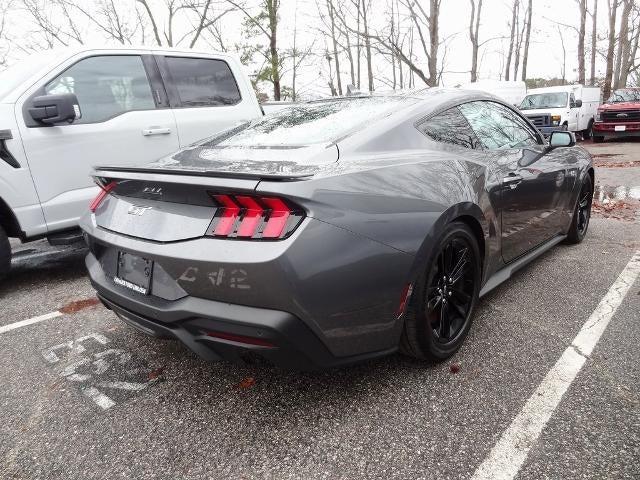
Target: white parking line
{"x": 508, "y": 455}
{"x": 29, "y": 321}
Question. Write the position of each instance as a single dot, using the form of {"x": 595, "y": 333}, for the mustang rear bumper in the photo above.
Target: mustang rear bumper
{"x": 221, "y": 331}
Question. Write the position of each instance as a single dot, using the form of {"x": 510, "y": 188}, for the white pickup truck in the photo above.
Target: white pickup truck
{"x": 62, "y": 113}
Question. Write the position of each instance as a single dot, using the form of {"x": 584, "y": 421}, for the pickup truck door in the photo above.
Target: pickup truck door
{"x": 125, "y": 120}
{"x": 207, "y": 95}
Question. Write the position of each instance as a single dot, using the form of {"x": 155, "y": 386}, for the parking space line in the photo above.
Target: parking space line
{"x": 508, "y": 455}
{"x": 29, "y": 321}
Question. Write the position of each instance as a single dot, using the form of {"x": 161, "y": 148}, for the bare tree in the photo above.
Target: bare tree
{"x": 594, "y": 40}
{"x": 527, "y": 39}
{"x": 613, "y": 12}
{"x": 474, "y": 30}
{"x": 563, "y": 71}
{"x": 334, "y": 41}
{"x": 512, "y": 41}
{"x": 152, "y": 19}
{"x": 582, "y": 6}
{"x": 628, "y": 42}
{"x": 367, "y": 41}
{"x": 624, "y": 43}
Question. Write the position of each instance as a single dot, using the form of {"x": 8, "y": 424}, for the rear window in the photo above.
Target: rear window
{"x": 203, "y": 82}
{"x": 310, "y": 123}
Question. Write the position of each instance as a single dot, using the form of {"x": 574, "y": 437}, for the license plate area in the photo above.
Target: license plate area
{"x": 134, "y": 272}
{"x": 620, "y": 128}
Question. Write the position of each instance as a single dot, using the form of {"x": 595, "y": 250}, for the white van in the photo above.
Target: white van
{"x": 510, "y": 91}
{"x": 63, "y": 112}
{"x": 568, "y": 107}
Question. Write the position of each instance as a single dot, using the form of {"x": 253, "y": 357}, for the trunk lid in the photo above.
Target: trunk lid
{"x": 172, "y": 199}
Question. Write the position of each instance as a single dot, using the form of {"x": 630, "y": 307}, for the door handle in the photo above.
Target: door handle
{"x": 512, "y": 180}
{"x": 156, "y": 131}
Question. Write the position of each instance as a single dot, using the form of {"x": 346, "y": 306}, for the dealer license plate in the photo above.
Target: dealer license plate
{"x": 134, "y": 272}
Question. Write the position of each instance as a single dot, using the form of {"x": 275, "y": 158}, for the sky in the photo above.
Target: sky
{"x": 545, "y": 54}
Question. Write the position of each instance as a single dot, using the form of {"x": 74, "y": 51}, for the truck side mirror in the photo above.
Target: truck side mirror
{"x": 52, "y": 109}
{"x": 578, "y": 103}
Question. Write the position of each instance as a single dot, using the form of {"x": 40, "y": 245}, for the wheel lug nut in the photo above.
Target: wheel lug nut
{"x": 449, "y": 293}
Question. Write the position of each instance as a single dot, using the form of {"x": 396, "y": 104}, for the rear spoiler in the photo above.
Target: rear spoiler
{"x": 282, "y": 177}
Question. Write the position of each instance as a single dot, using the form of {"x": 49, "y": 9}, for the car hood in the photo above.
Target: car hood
{"x": 619, "y": 106}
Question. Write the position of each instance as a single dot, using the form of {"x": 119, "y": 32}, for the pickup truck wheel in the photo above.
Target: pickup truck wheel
{"x": 5, "y": 254}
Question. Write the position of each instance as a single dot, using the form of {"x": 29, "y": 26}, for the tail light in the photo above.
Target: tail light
{"x": 253, "y": 217}
{"x": 104, "y": 191}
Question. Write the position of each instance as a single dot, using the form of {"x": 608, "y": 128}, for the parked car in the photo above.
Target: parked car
{"x": 62, "y": 112}
{"x": 337, "y": 230}
{"x": 619, "y": 116}
{"x": 569, "y": 107}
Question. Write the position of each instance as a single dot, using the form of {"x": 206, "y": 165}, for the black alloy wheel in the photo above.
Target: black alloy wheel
{"x": 582, "y": 213}
{"x": 584, "y": 209}
{"x": 441, "y": 309}
{"x": 451, "y": 290}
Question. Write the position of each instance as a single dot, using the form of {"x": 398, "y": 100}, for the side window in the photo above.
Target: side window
{"x": 105, "y": 86}
{"x": 572, "y": 101}
{"x": 497, "y": 127}
{"x": 203, "y": 82}
{"x": 450, "y": 127}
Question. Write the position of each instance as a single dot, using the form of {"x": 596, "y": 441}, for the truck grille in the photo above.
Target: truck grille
{"x": 621, "y": 116}
{"x": 540, "y": 120}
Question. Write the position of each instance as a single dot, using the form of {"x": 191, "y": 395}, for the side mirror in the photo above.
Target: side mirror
{"x": 562, "y": 139}
{"x": 578, "y": 104}
{"x": 52, "y": 109}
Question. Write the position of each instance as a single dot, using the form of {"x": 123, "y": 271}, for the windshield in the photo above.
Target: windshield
{"x": 544, "y": 100}
{"x": 309, "y": 123}
{"x": 620, "y": 96}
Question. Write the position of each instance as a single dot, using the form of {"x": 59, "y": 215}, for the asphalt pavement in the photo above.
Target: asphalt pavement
{"x": 86, "y": 397}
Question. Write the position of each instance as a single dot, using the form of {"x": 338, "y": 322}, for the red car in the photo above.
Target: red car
{"x": 619, "y": 116}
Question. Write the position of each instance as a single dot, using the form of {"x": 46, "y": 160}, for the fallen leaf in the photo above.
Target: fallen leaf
{"x": 156, "y": 373}
{"x": 454, "y": 368}
{"x": 77, "y": 305}
{"x": 246, "y": 383}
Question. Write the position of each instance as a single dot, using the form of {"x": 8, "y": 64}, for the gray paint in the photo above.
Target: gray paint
{"x": 372, "y": 217}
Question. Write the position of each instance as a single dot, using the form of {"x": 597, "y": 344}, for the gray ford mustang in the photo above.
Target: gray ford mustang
{"x": 338, "y": 230}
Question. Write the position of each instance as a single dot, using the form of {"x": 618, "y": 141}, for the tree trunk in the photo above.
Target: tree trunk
{"x": 334, "y": 40}
{"x": 514, "y": 19}
{"x": 608, "y": 78}
{"x": 474, "y": 29}
{"x": 624, "y": 45}
{"x": 582, "y": 4}
{"x": 434, "y": 41}
{"x": 272, "y": 11}
{"x": 367, "y": 44}
{"x": 594, "y": 39}
{"x": 527, "y": 38}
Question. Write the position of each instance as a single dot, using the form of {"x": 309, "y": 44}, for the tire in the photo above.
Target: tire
{"x": 582, "y": 213}
{"x": 598, "y": 139}
{"x": 424, "y": 334}
{"x": 586, "y": 134}
{"x": 5, "y": 254}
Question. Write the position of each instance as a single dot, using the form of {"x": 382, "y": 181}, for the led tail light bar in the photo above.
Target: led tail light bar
{"x": 252, "y": 217}
{"x": 104, "y": 191}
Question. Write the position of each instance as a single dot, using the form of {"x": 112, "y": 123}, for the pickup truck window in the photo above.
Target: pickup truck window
{"x": 203, "y": 82}
{"x": 106, "y": 86}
